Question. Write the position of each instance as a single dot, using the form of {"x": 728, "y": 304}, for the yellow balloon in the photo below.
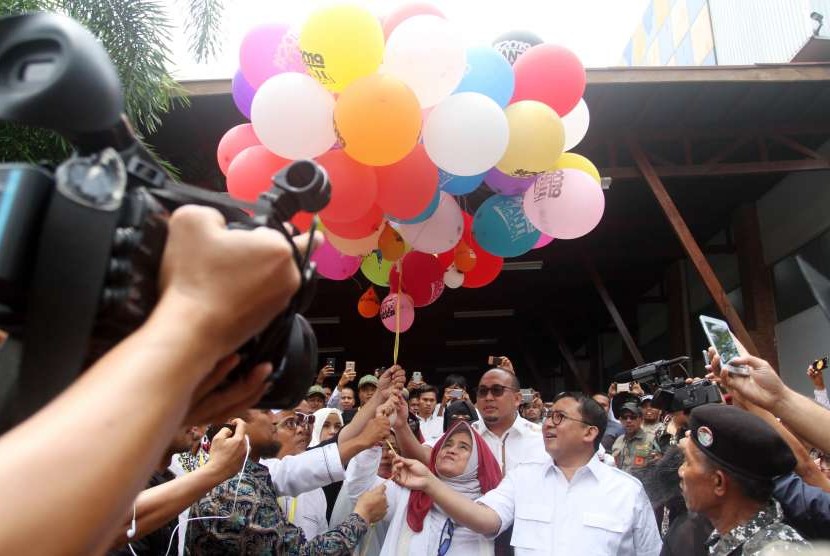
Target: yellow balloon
{"x": 576, "y": 162}
{"x": 537, "y": 139}
{"x": 341, "y": 43}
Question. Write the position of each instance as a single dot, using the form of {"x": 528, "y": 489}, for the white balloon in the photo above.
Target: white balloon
{"x": 293, "y": 116}
{"x": 576, "y": 123}
{"x": 453, "y": 279}
{"x": 426, "y": 52}
{"x": 438, "y": 233}
{"x": 466, "y": 134}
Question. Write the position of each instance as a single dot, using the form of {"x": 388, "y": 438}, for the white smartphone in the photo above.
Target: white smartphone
{"x": 623, "y": 387}
{"x": 416, "y": 376}
{"x": 720, "y": 337}
{"x": 349, "y": 366}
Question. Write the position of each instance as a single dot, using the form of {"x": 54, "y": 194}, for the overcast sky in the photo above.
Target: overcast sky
{"x": 596, "y": 30}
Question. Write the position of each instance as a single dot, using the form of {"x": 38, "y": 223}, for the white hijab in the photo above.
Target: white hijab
{"x": 320, "y": 417}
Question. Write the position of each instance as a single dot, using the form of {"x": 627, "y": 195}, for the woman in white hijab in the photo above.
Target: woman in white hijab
{"x": 327, "y": 423}
{"x": 416, "y": 526}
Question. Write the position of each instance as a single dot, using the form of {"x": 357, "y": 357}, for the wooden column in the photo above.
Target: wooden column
{"x": 677, "y": 294}
{"x": 627, "y": 338}
{"x": 690, "y": 246}
{"x": 756, "y": 282}
{"x": 570, "y": 360}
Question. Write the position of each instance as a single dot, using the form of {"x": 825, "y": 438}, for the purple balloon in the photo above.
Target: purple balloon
{"x": 506, "y": 185}
{"x": 243, "y": 94}
{"x": 544, "y": 240}
{"x": 333, "y": 264}
{"x": 258, "y": 53}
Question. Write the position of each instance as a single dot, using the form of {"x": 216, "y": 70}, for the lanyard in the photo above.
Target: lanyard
{"x": 290, "y": 508}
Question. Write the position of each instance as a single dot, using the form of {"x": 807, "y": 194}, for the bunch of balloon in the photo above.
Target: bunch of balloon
{"x": 412, "y": 126}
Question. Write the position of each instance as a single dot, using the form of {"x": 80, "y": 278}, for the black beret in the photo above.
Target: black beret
{"x": 740, "y": 442}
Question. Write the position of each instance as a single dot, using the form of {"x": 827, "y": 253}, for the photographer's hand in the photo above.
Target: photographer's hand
{"x": 212, "y": 405}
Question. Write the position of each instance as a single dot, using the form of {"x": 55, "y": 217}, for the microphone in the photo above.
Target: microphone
{"x": 647, "y": 370}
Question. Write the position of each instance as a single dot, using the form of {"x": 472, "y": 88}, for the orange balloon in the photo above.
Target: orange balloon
{"x": 391, "y": 244}
{"x": 465, "y": 257}
{"x": 378, "y": 120}
{"x": 368, "y": 305}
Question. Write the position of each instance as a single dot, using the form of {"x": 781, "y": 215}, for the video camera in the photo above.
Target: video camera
{"x": 80, "y": 246}
{"x": 672, "y": 394}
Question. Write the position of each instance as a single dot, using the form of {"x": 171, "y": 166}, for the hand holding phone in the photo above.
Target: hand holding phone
{"x": 820, "y": 364}
{"x": 494, "y": 360}
{"x": 455, "y": 393}
{"x": 720, "y": 337}
{"x": 417, "y": 377}
{"x": 527, "y": 395}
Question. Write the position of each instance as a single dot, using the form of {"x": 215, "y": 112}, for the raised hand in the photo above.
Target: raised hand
{"x": 372, "y": 504}
{"x": 227, "y": 452}
{"x": 411, "y": 473}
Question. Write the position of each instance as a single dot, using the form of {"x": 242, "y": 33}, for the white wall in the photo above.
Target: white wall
{"x": 802, "y": 339}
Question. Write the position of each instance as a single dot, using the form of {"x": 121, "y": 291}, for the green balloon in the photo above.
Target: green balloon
{"x": 377, "y": 271}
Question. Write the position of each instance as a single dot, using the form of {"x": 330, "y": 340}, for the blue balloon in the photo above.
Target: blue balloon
{"x": 458, "y": 185}
{"x": 429, "y": 211}
{"x": 501, "y": 227}
{"x": 488, "y": 73}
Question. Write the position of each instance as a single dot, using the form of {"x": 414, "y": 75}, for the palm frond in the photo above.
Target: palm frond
{"x": 204, "y": 29}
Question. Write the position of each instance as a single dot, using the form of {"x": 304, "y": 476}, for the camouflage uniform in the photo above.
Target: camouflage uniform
{"x": 763, "y": 530}
{"x": 635, "y": 452}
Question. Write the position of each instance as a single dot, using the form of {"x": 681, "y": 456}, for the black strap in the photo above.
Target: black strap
{"x": 70, "y": 269}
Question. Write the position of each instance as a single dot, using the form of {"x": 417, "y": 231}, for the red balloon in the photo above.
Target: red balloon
{"x": 423, "y": 278}
{"x": 235, "y": 140}
{"x": 302, "y": 220}
{"x": 365, "y": 226}
{"x": 487, "y": 266}
{"x": 405, "y": 12}
{"x": 251, "y": 171}
{"x": 353, "y": 187}
{"x": 406, "y": 188}
{"x": 551, "y": 74}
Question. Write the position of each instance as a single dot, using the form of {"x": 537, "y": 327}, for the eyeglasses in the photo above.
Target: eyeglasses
{"x": 558, "y": 416}
{"x": 305, "y": 419}
{"x": 446, "y": 537}
{"x": 301, "y": 420}
{"x": 497, "y": 390}
{"x": 629, "y": 417}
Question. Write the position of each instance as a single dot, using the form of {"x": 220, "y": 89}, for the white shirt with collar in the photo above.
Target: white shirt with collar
{"x": 521, "y": 443}
{"x": 601, "y": 510}
{"x": 431, "y": 429}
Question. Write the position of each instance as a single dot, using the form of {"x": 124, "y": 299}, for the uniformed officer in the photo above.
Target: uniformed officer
{"x": 731, "y": 459}
{"x": 636, "y": 447}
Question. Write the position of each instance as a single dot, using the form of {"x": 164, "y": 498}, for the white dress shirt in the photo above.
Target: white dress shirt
{"x": 601, "y": 510}
{"x": 431, "y": 429}
{"x": 821, "y": 398}
{"x": 293, "y": 475}
{"x": 307, "y": 511}
{"x": 521, "y": 443}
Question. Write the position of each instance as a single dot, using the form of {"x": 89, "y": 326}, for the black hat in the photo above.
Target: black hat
{"x": 622, "y": 399}
{"x": 740, "y": 442}
{"x": 633, "y": 407}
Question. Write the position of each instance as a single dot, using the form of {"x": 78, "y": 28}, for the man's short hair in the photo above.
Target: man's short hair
{"x": 455, "y": 380}
{"x": 514, "y": 380}
{"x": 428, "y": 388}
{"x": 591, "y": 412}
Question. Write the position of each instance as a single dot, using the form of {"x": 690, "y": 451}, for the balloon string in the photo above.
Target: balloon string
{"x": 398, "y": 314}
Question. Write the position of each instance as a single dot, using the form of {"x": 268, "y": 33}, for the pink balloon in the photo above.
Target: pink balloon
{"x": 389, "y": 307}
{"x": 544, "y": 239}
{"x": 565, "y": 204}
{"x": 333, "y": 264}
{"x": 268, "y": 50}
{"x": 235, "y": 140}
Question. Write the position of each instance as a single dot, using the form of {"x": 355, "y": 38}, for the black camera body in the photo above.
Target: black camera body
{"x": 672, "y": 394}
{"x": 81, "y": 245}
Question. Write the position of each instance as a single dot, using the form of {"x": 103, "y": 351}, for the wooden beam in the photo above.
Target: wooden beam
{"x": 726, "y": 151}
{"x": 797, "y": 147}
{"x": 730, "y": 169}
{"x": 680, "y": 336}
{"x": 756, "y": 282}
{"x": 570, "y": 360}
{"x": 772, "y": 73}
{"x": 628, "y": 339}
{"x": 690, "y": 245}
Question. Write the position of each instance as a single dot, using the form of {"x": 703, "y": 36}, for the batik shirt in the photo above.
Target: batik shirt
{"x": 257, "y": 526}
{"x": 764, "y": 529}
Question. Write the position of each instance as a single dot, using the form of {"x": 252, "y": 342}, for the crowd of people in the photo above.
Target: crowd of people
{"x": 147, "y": 454}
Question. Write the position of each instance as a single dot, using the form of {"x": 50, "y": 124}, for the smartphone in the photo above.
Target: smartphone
{"x": 416, "y": 377}
{"x": 331, "y": 362}
{"x": 455, "y": 393}
{"x": 349, "y": 366}
{"x": 820, "y": 364}
{"x": 213, "y": 429}
{"x": 706, "y": 357}
{"x": 623, "y": 387}
{"x": 527, "y": 395}
{"x": 494, "y": 360}
{"x": 720, "y": 337}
